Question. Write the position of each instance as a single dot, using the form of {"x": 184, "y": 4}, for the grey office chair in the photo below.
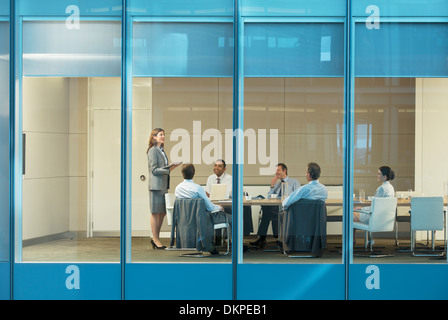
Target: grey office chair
{"x": 193, "y": 227}
{"x": 304, "y": 228}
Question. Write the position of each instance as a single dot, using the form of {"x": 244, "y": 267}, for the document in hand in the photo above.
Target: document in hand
{"x": 171, "y": 164}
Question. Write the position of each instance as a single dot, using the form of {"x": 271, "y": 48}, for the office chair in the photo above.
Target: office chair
{"x": 169, "y": 204}
{"x": 382, "y": 219}
{"x": 427, "y": 214}
{"x": 193, "y": 227}
{"x": 304, "y": 228}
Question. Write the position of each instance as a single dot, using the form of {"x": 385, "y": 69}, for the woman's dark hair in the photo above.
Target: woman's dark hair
{"x": 388, "y": 172}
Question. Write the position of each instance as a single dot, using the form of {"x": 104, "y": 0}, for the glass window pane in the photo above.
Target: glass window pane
{"x": 51, "y": 48}
{"x": 187, "y": 93}
{"x": 293, "y": 116}
{"x": 71, "y": 140}
{"x": 286, "y": 49}
{"x": 183, "y": 49}
{"x": 399, "y": 110}
{"x": 399, "y": 49}
{"x": 4, "y": 134}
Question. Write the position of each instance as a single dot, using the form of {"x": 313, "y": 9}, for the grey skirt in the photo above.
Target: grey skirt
{"x": 157, "y": 201}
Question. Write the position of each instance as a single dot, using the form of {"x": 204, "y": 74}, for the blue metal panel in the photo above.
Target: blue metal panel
{"x": 181, "y": 8}
{"x": 401, "y": 8}
{"x": 65, "y": 281}
{"x": 182, "y": 49}
{"x": 5, "y": 281}
{"x": 398, "y": 281}
{"x": 63, "y": 7}
{"x": 188, "y": 281}
{"x": 293, "y": 8}
{"x": 402, "y": 50}
{"x": 294, "y": 50}
{"x": 291, "y": 281}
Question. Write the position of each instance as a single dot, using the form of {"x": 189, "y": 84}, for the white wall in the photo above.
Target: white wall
{"x": 54, "y": 121}
{"x": 431, "y": 151}
{"x": 45, "y": 184}
{"x": 431, "y": 160}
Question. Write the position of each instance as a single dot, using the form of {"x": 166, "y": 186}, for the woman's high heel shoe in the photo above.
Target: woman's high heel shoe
{"x": 154, "y": 246}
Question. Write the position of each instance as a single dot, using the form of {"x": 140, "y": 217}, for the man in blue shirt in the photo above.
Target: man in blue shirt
{"x": 313, "y": 190}
{"x": 190, "y": 190}
{"x": 281, "y": 185}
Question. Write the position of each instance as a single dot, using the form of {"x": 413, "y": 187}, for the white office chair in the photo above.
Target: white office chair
{"x": 169, "y": 204}
{"x": 427, "y": 214}
{"x": 382, "y": 219}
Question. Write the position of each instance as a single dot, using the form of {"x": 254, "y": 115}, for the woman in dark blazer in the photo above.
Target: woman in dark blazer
{"x": 158, "y": 182}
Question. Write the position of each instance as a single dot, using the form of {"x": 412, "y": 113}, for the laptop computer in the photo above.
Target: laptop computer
{"x": 218, "y": 192}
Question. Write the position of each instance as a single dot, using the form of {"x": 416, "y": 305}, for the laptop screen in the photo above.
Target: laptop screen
{"x": 218, "y": 192}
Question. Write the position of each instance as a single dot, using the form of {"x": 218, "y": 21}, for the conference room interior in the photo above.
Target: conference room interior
{"x": 71, "y": 182}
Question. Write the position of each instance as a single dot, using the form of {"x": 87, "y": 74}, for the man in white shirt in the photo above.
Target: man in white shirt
{"x": 220, "y": 176}
{"x": 313, "y": 190}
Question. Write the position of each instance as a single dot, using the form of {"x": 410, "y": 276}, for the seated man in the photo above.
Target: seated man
{"x": 277, "y": 187}
{"x": 219, "y": 176}
{"x": 190, "y": 190}
{"x": 313, "y": 190}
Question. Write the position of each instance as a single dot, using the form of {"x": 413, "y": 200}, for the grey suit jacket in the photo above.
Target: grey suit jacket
{"x": 158, "y": 178}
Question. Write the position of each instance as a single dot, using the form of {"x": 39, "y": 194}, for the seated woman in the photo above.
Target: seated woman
{"x": 385, "y": 190}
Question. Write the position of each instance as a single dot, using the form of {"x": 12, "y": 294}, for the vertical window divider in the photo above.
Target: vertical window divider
{"x": 238, "y": 143}
{"x": 126, "y": 145}
{"x": 347, "y": 244}
{"x": 12, "y": 95}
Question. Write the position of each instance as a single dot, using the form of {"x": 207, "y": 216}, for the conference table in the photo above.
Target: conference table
{"x": 401, "y": 202}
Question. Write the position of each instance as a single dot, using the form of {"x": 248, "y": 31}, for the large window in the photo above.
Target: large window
{"x": 182, "y": 83}
{"x": 399, "y": 110}
{"x": 70, "y": 142}
{"x": 293, "y": 115}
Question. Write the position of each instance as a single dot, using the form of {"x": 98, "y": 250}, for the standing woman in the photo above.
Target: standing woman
{"x": 158, "y": 183}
